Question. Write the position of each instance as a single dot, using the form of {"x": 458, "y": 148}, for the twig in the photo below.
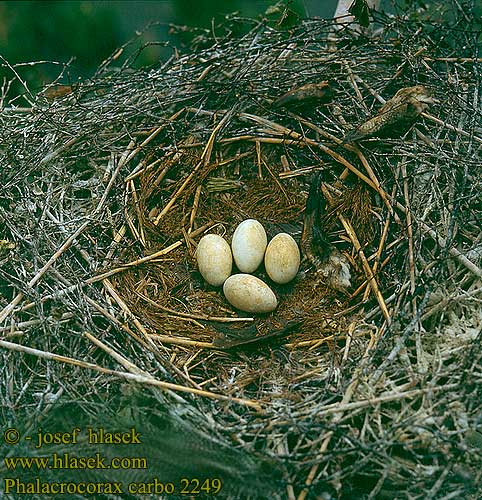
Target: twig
{"x": 141, "y": 379}
{"x": 195, "y": 206}
{"x": 395, "y": 396}
{"x": 366, "y": 266}
{"x": 205, "y": 157}
{"x": 34, "y": 322}
{"x": 443, "y": 243}
{"x": 451, "y": 127}
{"x": 142, "y": 169}
{"x": 147, "y": 258}
{"x": 455, "y": 59}
{"x": 258, "y": 158}
{"x": 375, "y": 181}
{"x": 165, "y": 339}
{"x": 9, "y": 308}
{"x": 121, "y": 303}
{"x": 142, "y": 237}
{"x": 292, "y": 134}
{"x": 408, "y": 215}
{"x": 338, "y": 415}
{"x": 128, "y": 365}
{"x": 219, "y": 319}
{"x": 112, "y": 272}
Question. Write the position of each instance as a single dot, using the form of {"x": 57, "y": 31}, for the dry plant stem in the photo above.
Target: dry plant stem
{"x": 346, "y": 65}
{"x": 17, "y": 110}
{"x": 128, "y": 365}
{"x": 296, "y": 173}
{"x": 24, "y": 85}
{"x": 113, "y": 292}
{"x": 441, "y": 241}
{"x": 389, "y": 300}
{"x": 282, "y": 448}
{"x": 443, "y": 244}
{"x": 339, "y": 414}
{"x": 396, "y": 350}
{"x": 165, "y": 170}
{"x": 159, "y": 129}
{"x": 377, "y": 261}
{"x": 373, "y": 92}
{"x": 152, "y": 345}
{"x": 118, "y": 235}
{"x": 141, "y": 379}
{"x": 55, "y": 153}
{"x": 384, "y": 236}
{"x": 45, "y": 411}
{"x": 152, "y": 135}
{"x": 455, "y": 59}
{"x": 33, "y": 322}
{"x": 408, "y": 215}
{"x": 378, "y": 256}
{"x": 142, "y": 237}
{"x": 189, "y": 363}
{"x": 366, "y": 266}
{"x": 205, "y": 157}
{"x": 307, "y": 343}
{"x": 10, "y": 307}
{"x": 300, "y": 139}
{"x": 117, "y": 322}
{"x": 165, "y": 339}
{"x": 376, "y": 184}
{"x": 394, "y": 396}
{"x": 349, "y": 337}
{"x": 139, "y": 171}
{"x": 320, "y": 342}
{"x": 132, "y": 227}
{"x": 190, "y": 243}
{"x": 375, "y": 181}
{"x": 195, "y": 206}
{"x": 451, "y": 127}
{"x": 251, "y": 138}
{"x": 107, "y": 274}
{"x": 258, "y": 157}
{"x": 365, "y": 285}
{"x": 218, "y": 319}
{"x": 276, "y": 181}
{"x": 445, "y": 302}
{"x": 187, "y": 320}
{"x": 148, "y": 258}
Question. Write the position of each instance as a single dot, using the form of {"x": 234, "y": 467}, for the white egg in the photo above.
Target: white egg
{"x": 250, "y": 294}
{"x": 282, "y": 258}
{"x": 214, "y": 259}
{"x": 248, "y": 244}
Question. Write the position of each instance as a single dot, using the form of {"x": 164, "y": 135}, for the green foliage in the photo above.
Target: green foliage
{"x": 90, "y": 31}
{"x": 58, "y": 31}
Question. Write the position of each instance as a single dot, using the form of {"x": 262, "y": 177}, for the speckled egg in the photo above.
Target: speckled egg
{"x": 250, "y": 294}
{"x": 214, "y": 259}
{"x": 282, "y": 258}
{"x": 248, "y": 244}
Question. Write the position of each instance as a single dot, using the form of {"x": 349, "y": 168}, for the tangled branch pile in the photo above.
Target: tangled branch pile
{"x": 106, "y": 190}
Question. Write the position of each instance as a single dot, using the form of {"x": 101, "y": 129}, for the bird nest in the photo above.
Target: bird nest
{"x": 348, "y": 390}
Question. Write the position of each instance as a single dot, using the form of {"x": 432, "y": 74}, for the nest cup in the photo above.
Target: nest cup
{"x": 216, "y": 201}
